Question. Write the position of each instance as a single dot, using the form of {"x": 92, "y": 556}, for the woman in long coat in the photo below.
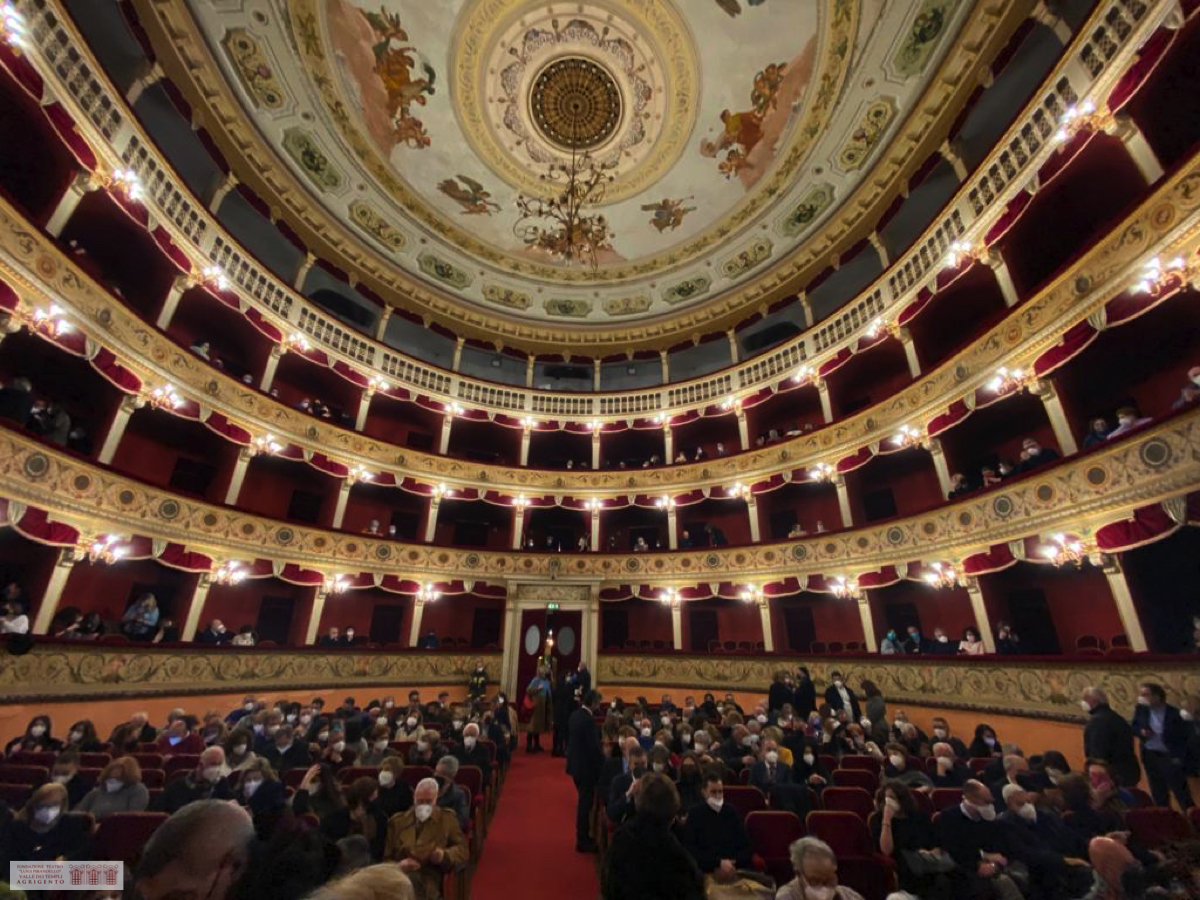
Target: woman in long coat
{"x": 537, "y": 696}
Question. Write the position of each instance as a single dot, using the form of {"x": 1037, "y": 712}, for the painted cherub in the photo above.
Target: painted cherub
{"x": 474, "y": 198}
{"x": 668, "y": 214}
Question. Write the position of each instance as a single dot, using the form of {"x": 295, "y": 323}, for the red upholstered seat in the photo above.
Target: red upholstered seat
{"x": 862, "y": 761}
{"x": 828, "y": 763}
{"x": 148, "y": 760}
{"x": 845, "y": 832}
{"x": 771, "y": 834}
{"x": 1154, "y": 826}
{"x": 411, "y": 775}
{"x": 745, "y": 799}
{"x": 123, "y": 835}
{"x": 857, "y": 778}
{"x": 154, "y": 778}
{"x": 924, "y": 802}
{"x": 848, "y": 799}
{"x": 869, "y": 875}
{"x": 32, "y": 758}
{"x": 350, "y": 773}
{"x": 1140, "y": 797}
{"x": 15, "y": 795}
{"x": 979, "y": 763}
{"x": 180, "y": 763}
{"x": 94, "y": 760}
{"x": 944, "y": 797}
{"x": 293, "y": 777}
{"x": 14, "y": 773}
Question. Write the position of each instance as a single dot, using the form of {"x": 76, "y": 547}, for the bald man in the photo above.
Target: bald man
{"x": 208, "y": 781}
{"x": 200, "y": 851}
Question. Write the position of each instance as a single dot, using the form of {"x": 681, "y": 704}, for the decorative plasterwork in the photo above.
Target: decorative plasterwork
{"x": 1043, "y": 689}
{"x": 1076, "y": 496}
{"x": 51, "y": 672}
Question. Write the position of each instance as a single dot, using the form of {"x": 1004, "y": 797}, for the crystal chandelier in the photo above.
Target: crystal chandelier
{"x": 1063, "y": 550}
{"x": 844, "y": 588}
{"x": 670, "y": 598}
{"x": 107, "y": 548}
{"x": 941, "y": 575}
{"x": 230, "y": 572}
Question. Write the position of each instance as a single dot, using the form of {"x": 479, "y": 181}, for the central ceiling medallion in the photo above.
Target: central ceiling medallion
{"x": 575, "y": 104}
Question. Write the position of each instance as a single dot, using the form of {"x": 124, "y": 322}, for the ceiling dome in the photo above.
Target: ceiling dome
{"x": 575, "y": 104}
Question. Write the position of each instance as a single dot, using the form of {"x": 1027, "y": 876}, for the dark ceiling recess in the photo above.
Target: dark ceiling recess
{"x": 568, "y": 372}
{"x": 342, "y": 307}
{"x": 769, "y": 336}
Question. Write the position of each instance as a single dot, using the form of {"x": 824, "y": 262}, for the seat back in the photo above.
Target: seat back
{"x": 123, "y": 835}
{"x": 862, "y": 761}
{"x": 856, "y": 778}
{"x": 154, "y": 778}
{"x": 180, "y": 763}
{"x": 1154, "y": 826}
{"x": 15, "y": 773}
{"x": 471, "y": 777}
{"x": 94, "y": 760}
{"x": 15, "y": 795}
{"x": 868, "y": 875}
{"x": 945, "y": 797}
{"x": 773, "y": 831}
{"x": 979, "y": 763}
{"x": 350, "y": 773}
{"x": 745, "y": 799}
{"x": 148, "y": 760}
{"x": 32, "y": 758}
{"x": 412, "y": 775}
{"x": 848, "y": 799}
{"x": 844, "y": 831}
{"x": 1140, "y": 798}
{"x": 924, "y": 802}
{"x": 293, "y": 777}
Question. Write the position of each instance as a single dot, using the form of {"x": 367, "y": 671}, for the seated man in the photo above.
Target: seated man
{"x": 815, "y": 866}
{"x": 951, "y": 771}
{"x": 215, "y": 633}
{"x": 452, "y": 796}
{"x": 1037, "y": 846}
{"x": 332, "y": 639}
{"x": 775, "y": 780}
{"x": 208, "y": 781}
{"x": 200, "y": 851}
{"x": 471, "y": 753}
{"x": 715, "y": 834}
{"x": 615, "y": 765}
{"x": 287, "y": 752}
{"x": 980, "y": 846}
{"x": 426, "y": 841}
{"x": 1034, "y": 455}
{"x": 738, "y": 751}
{"x": 179, "y": 738}
{"x": 622, "y": 793}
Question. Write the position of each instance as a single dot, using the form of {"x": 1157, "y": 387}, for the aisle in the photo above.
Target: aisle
{"x": 530, "y": 848}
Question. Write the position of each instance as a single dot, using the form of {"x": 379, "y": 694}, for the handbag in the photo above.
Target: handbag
{"x": 749, "y": 886}
{"x": 928, "y": 862}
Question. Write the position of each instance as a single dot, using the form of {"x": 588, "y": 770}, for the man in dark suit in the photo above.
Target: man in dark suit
{"x": 777, "y": 783}
{"x": 585, "y": 757}
{"x": 287, "y": 751}
{"x": 332, "y": 639}
{"x": 715, "y": 834}
{"x": 214, "y": 634}
{"x": 980, "y": 846}
{"x": 1109, "y": 737}
{"x": 840, "y": 697}
{"x": 622, "y": 793}
{"x": 1163, "y": 734}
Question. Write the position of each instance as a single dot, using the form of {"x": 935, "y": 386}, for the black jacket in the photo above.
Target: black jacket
{"x": 778, "y": 695}
{"x": 647, "y": 862}
{"x": 478, "y": 756}
{"x": 182, "y": 791}
{"x": 963, "y": 838}
{"x": 585, "y": 755}
{"x": 1175, "y": 734}
{"x": 395, "y": 799}
{"x": 208, "y": 636}
{"x": 297, "y": 757}
{"x": 804, "y": 700}
{"x": 1109, "y": 737}
{"x": 618, "y": 805}
{"x": 712, "y": 836}
{"x": 70, "y": 838}
{"x": 834, "y": 699}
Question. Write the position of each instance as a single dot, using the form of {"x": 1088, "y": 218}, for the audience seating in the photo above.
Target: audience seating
{"x": 1157, "y": 825}
{"x": 978, "y": 763}
{"x": 745, "y": 799}
{"x": 33, "y": 758}
{"x": 148, "y": 760}
{"x": 14, "y": 773}
{"x": 944, "y": 797}
{"x": 1194, "y": 818}
{"x": 293, "y": 777}
{"x": 845, "y": 832}
{"x": 862, "y": 761}
{"x": 15, "y": 795}
{"x": 871, "y": 876}
{"x": 1140, "y": 797}
{"x": 122, "y": 835}
{"x": 771, "y": 834}
{"x": 412, "y": 775}
{"x": 153, "y": 778}
{"x": 94, "y": 760}
{"x": 924, "y": 802}
{"x": 180, "y": 763}
{"x": 828, "y": 763}
{"x": 350, "y": 773}
{"x": 848, "y": 799}
{"x": 856, "y": 778}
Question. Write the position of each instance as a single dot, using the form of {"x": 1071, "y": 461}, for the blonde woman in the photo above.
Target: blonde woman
{"x": 118, "y": 789}
{"x": 382, "y": 882}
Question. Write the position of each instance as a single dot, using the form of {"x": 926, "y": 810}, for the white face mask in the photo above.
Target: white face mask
{"x": 339, "y": 746}
{"x": 865, "y": 723}
{"x": 386, "y": 779}
{"x": 1085, "y": 706}
{"x": 837, "y": 682}
{"x": 251, "y": 786}
{"x": 76, "y": 737}
{"x": 456, "y": 724}
{"x": 422, "y": 747}
{"x": 323, "y": 736}
{"x": 819, "y": 893}
{"x": 809, "y": 759}
{"x": 290, "y": 718}
{"x": 272, "y": 729}
{"x": 943, "y": 639}
{"x": 469, "y": 742}
{"x": 1185, "y": 715}
{"x": 896, "y": 760}
{"x": 939, "y": 733}
{"x": 380, "y": 746}
{"x": 716, "y": 803}
{"x": 1143, "y": 701}
{"x": 685, "y": 739}
{"x": 410, "y": 723}
{"x": 47, "y": 814}
{"x": 62, "y": 779}
{"x": 772, "y": 757}
{"x": 305, "y": 720}
{"x": 213, "y": 774}
{"x": 987, "y": 813}
{"x": 248, "y": 707}
{"x": 37, "y": 730}
{"x": 752, "y": 739}
{"x": 645, "y": 732}
{"x": 658, "y": 767}
{"x": 112, "y": 785}
{"x": 762, "y": 719}
{"x": 1028, "y": 812}
{"x": 666, "y": 720}
{"x": 423, "y": 811}
{"x": 892, "y": 803}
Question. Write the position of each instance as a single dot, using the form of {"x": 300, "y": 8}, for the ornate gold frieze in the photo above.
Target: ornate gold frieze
{"x": 1031, "y": 688}
{"x": 1168, "y": 222}
{"x": 1075, "y": 496}
{"x": 92, "y": 671}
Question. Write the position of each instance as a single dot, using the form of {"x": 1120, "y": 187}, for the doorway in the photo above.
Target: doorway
{"x": 1030, "y": 617}
{"x": 704, "y": 629}
{"x": 275, "y": 619}
{"x": 386, "y": 623}
{"x": 801, "y": 630}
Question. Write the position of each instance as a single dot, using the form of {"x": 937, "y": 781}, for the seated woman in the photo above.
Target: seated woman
{"x": 377, "y": 747}
{"x": 395, "y": 794}
{"x": 985, "y": 743}
{"x": 971, "y": 645}
{"x": 646, "y": 858}
{"x": 36, "y": 739}
{"x": 318, "y": 793}
{"x": 263, "y": 795}
{"x": 905, "y": 769}
{"x": 1097, "y": 814}
{"x": 83, "y": 738}
{"x": 119, "y": 789}
{"x": 43, "y": 831}
{"x": 904, "y": 834}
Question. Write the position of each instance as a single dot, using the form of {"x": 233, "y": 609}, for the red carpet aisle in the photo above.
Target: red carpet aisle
{"x": 530, "y": 848}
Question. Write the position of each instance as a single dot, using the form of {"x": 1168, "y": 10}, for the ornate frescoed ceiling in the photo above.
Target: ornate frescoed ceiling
{"x": 727, "y": 131}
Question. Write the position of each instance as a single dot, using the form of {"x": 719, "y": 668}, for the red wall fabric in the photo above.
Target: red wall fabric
{"x": 1079, "y": 601}
{"x": 947, "y": 609}
{"x": 96, "y": 587}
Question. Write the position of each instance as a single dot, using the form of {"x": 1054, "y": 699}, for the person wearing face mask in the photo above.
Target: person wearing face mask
{"x": 427, "y": 751}
{"x": 646, "y": 858}
{"x": 804, "y": 698}
{"x": 426, "y": 841}
{"x": 118, "y": 789}
{"x": 971, "y": 645}
{"x": 469, "y": 752}
{"x": 43, "y": 830}
{"x": 1034, "y": 456}
{"x": 65, "y": 771}
{"x": 904, "y": 833}
{"x": 779, "y": 692}
{"x": 980, "y": 846}
{"x": 37, "y": 738}
{"x": 1098, "y": 432}
{"x": 915, "y": 642}
{"x": 248, "y": 707}
{"x": 949, "y": 770}
{"x": 839, "y": 696}
{"x": 776, "y": 779}
{"x": 900, "y": 767}
{"x": 395, "y": 794}
{"x": 985, "y": 743}
{"x": 1163, "y": 735}
{"x": 891, "y": 644}
{"x": 477, "y": 682}
{"x": 942, "y": 645}
{"x": 180, "y": 738}
{"x": 452, "y": 796}
{"x": 377, "y": 747}
{"x": 564, "y": 703}
{"x": 208, "y": 781}
{"x": 82, "y": 737}
{"x": 623, "y": 791}
{"x": 715, "y": 834}
{"x": 286, "y": 752}
{"x": 215, "y": 635}
{"x": 815, "y": 866}
{"x": 263, "y": 796}
{"x": 335, "y": 752}
{"x": 1129, "y": 419}
{"x": 1046, "y": 843}
{"x": 410, "y": 727}
{"x": 942, "y": 733}
{"x": 1109, "y": 737}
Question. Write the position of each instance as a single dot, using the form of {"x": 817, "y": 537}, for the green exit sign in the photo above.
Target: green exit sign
{"x": 551, "y": 607}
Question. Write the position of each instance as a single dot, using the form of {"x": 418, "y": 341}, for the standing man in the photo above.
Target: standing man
{"x": 585, "y": 757}
{"x": 1109, "y": 737}
{"x": 1164, "y": 743}
{"x": 840, "y": 697}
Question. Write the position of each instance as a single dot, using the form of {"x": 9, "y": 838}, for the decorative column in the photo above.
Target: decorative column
{"x": 940, "y": 466}
{"x": 596, "y": 449}
{"x": 950, "y": 153}
{"x": 81, "y": 185}
{"x": 752, "y": 512}
{"x": 364, "y": 406}
{"x": 1140, "y": 151}
{"x": 1003, "y": 277}
{"x": 1048, "y": 394}
{"x": 306, "y": 265}
{"x": 806, "y": 309}
{"x": 677, "y": 624}
{"x": 1125, "y": 605}
{"x": 526, "y": 437}
{"x": 596, "y": 374}
{"x": 314, "y": 617}
{"x": 979, "y": 608}
{"x": 272, "y": 365}
{"x": 868, "y": 623}
{"x": 668, "y": 445}
{"x": 512, "y": 641}
{"x": 456, "y": 363}
{"x": 129, "y": 404}
{"x": 843, "y": 495}
{"x": 431, "y": 518}
{"x": 52, "y": 596}
{"x": 530, "y": 362}
{"x": 339, "y": 511}
{"x": 1052, "y": 19}
{"x": 385, "y": 317}
{"x": 665, "y": 359}
{"x": 590, "y": 648}
{"x": 444, "y": 440}
{"x": 877, "y": 242}
{"x": 518, "y": 526}
{"x": 826, "y": 403}
{"x": 151, "y": 73}
{"x": 595, "y": 528}
{"x": 180, "y": 284}
{"x": 223, "y": 189}
{"x": 672, "y": 528}
{"x": 733, "y": 346}
{"x": 910, "y": 352}
{"x": 239, "y": 475}
{"x": 743, "y": 429}
{"x": 764, "y": 613}
{"x": 195, "y": 607}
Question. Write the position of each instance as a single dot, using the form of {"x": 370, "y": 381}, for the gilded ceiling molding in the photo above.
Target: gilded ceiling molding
{"x": 1042, "y": 689}
{"x": 1167, "y": 223}
{"x": 95, "y": 672}
{"x": 186, "y": 57}
{"x": 1076, "y": 496}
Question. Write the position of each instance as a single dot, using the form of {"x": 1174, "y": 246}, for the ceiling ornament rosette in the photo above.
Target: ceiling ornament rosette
{"x": 684, "y": 233}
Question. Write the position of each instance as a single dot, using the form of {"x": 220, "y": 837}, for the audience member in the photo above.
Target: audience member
{"x": 426, "y": 841}
{"x": 141, "y": 619}
{"x": 1163, "y": 735}
{"x": 12, "y": 618}
{"x": 979, "y": 846}
{"x": 815, "y": 866}
{"x": 37, "y": 738}
{"x": 891, "y": 644}
{"x": 839, "y": 697}
{"x": 43, "y": 830}
{"x": 380, "y": 882}
{"x": 208, "y": 781}
{"x": 900, "y": 767}
{"x": 1129, "y": 418}
{"x": 971, "y": 645}
{"x": 1109, "y": 737}
{"x": 1007, "y": 642}
{"x": 646, "y": 858}
{"x": 201, "y": 851}
{"x": 119, "y": 789}
{"x": 65, "y": 771}
{"x": 1098, "y": 432}
{"x": 1034, "y": 455}
{"x": 985, "y": 742}
{"x": 215, "y": 634}
{"x": 904, "y": 834}
{"x": 715, "y": 834}
{"x": 452, "y": 796}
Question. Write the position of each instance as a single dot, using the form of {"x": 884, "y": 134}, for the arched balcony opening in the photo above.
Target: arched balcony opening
{"x": 378, "y": 618}
{"x": 895, "y": 607}
{"x": 623, "y": 526}
{"x": 482, "y": 441}
{"x": 869, "y": 377}
{"x": 465, "y": 622}
{"x": 403, "y": 423}
{"x": 705, "y": 433}
{"x": 177, "y": 453}
{"x": 721, "y": 625}
{"x": 797, "y": 509}
{"x": 30, "y": 565}
{"x": 289, "y": 489}
{"x": 390, "y": 511}
{"x": 37, "y": 168}
{"x": 893, "y": 484}
{"x": 715, "y": 521}
{"x": 1166, "y": 107}
{"x": 279, "y": 611}
{"x": 329, "y": 396}
{"x": 811, "y": 622}
{"x": 221, "y": 335}
{"x": 636, "y": 624}
{"x": 786, "y": 414}
{"x": 474, "y": 523}
{"x": 957, "y": 315}
{"x": 549, "y": 449}
{"x": 632, "y": 448}
{"x": 110, "y": 590}
{"x": 555, "y": 529}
